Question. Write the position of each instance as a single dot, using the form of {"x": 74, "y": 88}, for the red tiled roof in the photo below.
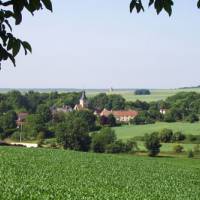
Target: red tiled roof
{"x": 120, "y": 113}
{"x": 22, "y": 116}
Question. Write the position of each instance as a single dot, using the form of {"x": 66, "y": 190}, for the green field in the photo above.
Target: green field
{"x": 156, "y": 94}
{"x": 58, "y": 174}
{"x": 168, "y": 147}
{"x": 130, "y": 131}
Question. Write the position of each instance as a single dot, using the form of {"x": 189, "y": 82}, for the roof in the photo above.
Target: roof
{"x": 22, "y": 116}
{"x": 83, "y": 96}
{"x": 120, "y": 113}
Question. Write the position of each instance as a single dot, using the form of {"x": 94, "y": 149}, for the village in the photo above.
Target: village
{"x": 121, "y": 116}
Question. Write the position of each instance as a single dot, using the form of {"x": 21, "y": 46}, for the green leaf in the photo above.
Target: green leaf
{"x": 151, "y": 2}
{"x": 132, "y": 5}
{"x": 48, "y": 4}
{"x": 10, "y": 44}
{"x": 198, "y": 4}
{"x": 159, "y": 4}
{"x": 16, "y": 46}
{"x": 27, "y": 46}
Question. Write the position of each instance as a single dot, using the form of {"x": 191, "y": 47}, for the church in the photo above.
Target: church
{"x": 83, "y": 103}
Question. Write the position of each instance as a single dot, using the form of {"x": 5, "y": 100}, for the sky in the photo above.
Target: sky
{"x": 99, "y": 44}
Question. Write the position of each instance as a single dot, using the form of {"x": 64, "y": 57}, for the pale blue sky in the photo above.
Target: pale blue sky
{"x": 98, "y": 44}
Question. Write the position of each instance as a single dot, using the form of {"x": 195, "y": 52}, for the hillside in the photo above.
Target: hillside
{"x": 58, "y": 174}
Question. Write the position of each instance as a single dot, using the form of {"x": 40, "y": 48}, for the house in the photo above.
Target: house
{"x": 21, "y": 117}
{"x": 120, "y": 115}
{"x": 64, "y": 109}
{"x": 83, "y": 103}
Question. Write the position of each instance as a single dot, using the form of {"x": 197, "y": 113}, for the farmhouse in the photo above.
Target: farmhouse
{"x": 120, "y": 115}
{"x": 64, "y": 109}
{"x": 21, "y": 117}
{"x": 83, "y": 103}
{"x": 163, "y": 111}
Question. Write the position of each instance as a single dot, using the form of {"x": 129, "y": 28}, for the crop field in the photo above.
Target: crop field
{"x": 156, "y": 94}
{"x": 130, "y": 131}
{"x": 58, "y": 174}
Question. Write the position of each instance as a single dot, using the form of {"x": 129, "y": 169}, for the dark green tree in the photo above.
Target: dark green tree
{"x": 101, "y": 139}
{"x": 111, "y": 120}
{"x": 166, "y": 135}
{"x": 192, "y": 118}
{"x": 73, "y": 134}
{"x": 115, "y": 102}
{"x": 152, "y": 143}
{"x": 88, "y": 117}
{"x": 99, "y": 101}
{"x": 44, "y": 113}
{"x": 8, "y": 120}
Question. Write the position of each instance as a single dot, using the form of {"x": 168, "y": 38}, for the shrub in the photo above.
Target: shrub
{"x": 192, "y": 118}
{"x": 178, "y": 148}
{"x": 178, "y": 136}
{"x": 121, "y": 147}
{"x": 142, "y": 118}
{"x": 169, "y": 117}
{"x": 152, "y": 143}
{"x": 116, "y": 147}
{"x": 142, "y": 92}
{"x": 192, "y": 138}
{"x": 101, "y": 139}
{"x": 197, "y": 148}
{"x": 166, "y": 135}
{"x": 190, "y": 154}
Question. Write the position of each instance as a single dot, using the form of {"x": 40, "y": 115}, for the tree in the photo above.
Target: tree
{"x": 88, "y": 117}
{"x": 159, "y": 5}
{"x": 44, "y": 113}
{"x": 178, "y": 136}
{"x": 34, "y": 125}
{"x": 178, "y": 148}
{"x": 13, "y": 9}
{"x": 166, "y": 135}
{"x": 111, "y": 120}
{"x": 73, "y": 134}
{"x": 99, "y": 101}
{"x": 16, "y": 100}
{"x": 101, "y": 139}
{"x": 152, "y": 143}
{"x": 8, "y": 120}
{"x": 115, "y": 102}
{"x": 142, "y": 92}
{"x": 143, "y": 118}
{"x": 192, "y": 118}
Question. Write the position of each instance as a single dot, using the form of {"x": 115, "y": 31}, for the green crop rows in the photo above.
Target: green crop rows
{"x": 43, "y": 174}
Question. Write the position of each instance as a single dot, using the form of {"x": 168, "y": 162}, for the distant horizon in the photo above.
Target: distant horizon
{"x": 81, "y": 89}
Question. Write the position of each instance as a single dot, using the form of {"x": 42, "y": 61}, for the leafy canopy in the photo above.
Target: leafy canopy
{"x": 12, "y": 10}
{"x": 159, "y": 5}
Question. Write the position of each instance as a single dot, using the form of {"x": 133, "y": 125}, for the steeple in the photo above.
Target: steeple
{"x": 83, "y": 100}
{"x": 83, "y": 96}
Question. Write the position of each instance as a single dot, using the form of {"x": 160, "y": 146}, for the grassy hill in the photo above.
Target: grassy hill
{"x": 58, "y": 174}
{"x": 126, "y": 132}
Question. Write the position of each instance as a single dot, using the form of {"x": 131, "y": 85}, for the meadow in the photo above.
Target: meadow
{"x": 130, "y": 131}
{"x": 59, "y": 174}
